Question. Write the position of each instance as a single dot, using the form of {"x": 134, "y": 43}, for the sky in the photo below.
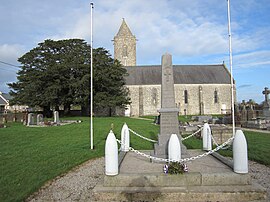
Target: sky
{"x": 193, "y": 31}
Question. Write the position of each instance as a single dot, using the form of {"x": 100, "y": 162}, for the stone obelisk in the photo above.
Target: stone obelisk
{"x": 168, "y": 113}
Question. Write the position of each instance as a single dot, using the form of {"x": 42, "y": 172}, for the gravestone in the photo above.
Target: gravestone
{"x": 266, "y": 104}
{"x": 39, "y": 119}
{"x": 30, "y": 119}
{"x": 56, "y": 117}
{"x": 168, "y": 113}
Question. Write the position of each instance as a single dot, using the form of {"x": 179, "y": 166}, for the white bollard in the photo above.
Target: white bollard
{"x": 174, "y": 149}
{"x": 206, "y": 135}
{"x": 111, "y": 155}
{"x": 240, "y": 155}
{"x": 125, "y": 138}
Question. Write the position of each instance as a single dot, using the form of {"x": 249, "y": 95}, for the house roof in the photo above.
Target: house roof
{"x": 2, "y": 102}
{"x": 4, "y": 98}
{"x": 183, "y": 74}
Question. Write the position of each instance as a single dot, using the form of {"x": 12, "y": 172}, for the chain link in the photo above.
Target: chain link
{"x": 192, "y": 134}
{"x": 150, "y": 140}
{"x": 214, "y": 141}
{"x": 145, "y": 138}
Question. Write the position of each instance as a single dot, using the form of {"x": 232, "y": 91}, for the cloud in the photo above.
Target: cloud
{"x": 254, "y": 59}
{"x": 245, "y": 86}
{"x": 9, "y": 53}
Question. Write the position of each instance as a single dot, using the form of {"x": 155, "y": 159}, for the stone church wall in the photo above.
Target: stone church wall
{"x": 146, "y": 99}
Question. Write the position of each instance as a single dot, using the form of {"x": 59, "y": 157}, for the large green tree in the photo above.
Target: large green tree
{"x": 58, "y": 72}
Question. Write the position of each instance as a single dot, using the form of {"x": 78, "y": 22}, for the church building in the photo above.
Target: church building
{"x": 199, "y": 89}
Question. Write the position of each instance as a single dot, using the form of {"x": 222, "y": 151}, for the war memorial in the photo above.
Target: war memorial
{"x": 135, "y": 175}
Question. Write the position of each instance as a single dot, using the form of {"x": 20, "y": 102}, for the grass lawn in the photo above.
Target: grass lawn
{"x": 258, "y": 146}
{"x": 31, "y": 156}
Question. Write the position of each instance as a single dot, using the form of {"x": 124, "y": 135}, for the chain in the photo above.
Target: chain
{"x": 181, "y": 160}
{"x": 150, "y": 140}
{"x": 145, "y": 138}
{"x": 192, "y": 134}
{"x": 214, "y": 141}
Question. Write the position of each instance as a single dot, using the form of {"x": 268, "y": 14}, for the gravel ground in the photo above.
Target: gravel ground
{"x": 77, "y": 184}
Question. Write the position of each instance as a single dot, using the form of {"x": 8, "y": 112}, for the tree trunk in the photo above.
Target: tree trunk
{"x": 56, "y": 108}
{"x": 47, "y": 112}
{"x": 66, "y": 109}
{"x": 85, "y": 110}
{"x": 110, "y": 112}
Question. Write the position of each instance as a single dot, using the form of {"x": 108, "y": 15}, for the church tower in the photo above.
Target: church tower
{"x": 125, "y": 46}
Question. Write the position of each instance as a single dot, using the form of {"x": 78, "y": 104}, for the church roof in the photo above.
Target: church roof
{"x": 183, "y": 74}
{"x": 124, "y": 29}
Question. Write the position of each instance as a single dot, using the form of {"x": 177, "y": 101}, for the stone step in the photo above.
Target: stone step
{"x": 187, "y": 179}
{"x": 225, "y": 193}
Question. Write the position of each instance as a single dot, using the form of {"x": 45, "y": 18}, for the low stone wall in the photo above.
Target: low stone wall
{"x": 12, "y": 117}
{"x": 221, "y": 133}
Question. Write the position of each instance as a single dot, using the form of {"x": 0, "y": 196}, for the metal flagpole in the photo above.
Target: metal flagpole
{"x": 91, "y": 79}
{"x": 230, "y": 51}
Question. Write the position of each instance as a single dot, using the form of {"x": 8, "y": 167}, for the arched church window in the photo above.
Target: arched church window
{"x": 186, "y": 96}
{"x": 125, "y": 51}
{"x": 154, "y": 96}
{"x": 215, "y": 96}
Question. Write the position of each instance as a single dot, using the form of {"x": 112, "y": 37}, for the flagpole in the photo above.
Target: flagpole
{"x": 91, "y": 79}
{"x": 230, "y": 52}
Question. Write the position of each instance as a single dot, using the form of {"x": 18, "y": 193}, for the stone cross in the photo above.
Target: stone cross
{"x": 266, "y": 92}
{"x": 266, "y": 104}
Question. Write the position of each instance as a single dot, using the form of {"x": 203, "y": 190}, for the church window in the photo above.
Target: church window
{"x": 125, "y": 52}
{"x": 186, "y": 96}
{"x": 154, "y": 96}
{"x": 216, "y": 96}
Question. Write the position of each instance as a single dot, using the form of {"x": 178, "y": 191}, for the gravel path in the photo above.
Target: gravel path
{"x": 77, "y": 184}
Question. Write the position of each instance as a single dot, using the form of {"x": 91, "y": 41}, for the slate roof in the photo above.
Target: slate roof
{"x": 6, "y": 96}
{"x": 2, "y": 102}
{"x": 183, "y": 74}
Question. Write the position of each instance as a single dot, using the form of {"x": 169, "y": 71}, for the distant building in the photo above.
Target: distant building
{"x": 4, "y": 104}
{"x": 199, "y": 89}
